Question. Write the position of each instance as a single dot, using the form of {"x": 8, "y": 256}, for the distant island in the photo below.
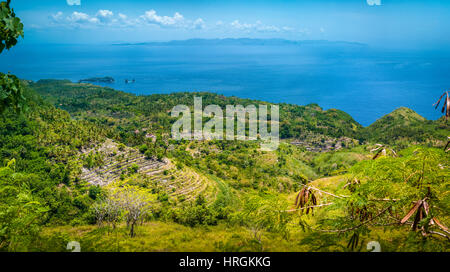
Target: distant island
{"x": 247, "y": 41}
{"x": 97, "y": 79}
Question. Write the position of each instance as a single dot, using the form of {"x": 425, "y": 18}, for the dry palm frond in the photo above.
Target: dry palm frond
{"x": 434, "y": 220}
{"x": 419, "y": 216}
{"x": 353, "y": 243}
{"x": 351, "y": 185}
{"x": 446, "y": 104}
{"x": 364, "y": 214}
{"x": 447, "y": 146}
{"x": 304, "y": 197}
{"x": 440, "y": 225}
{"x": 411, "y": 212}
{"x": 382, "y": 150}
{"x": 422, "y": 209}
{"x": 361, "y": 213}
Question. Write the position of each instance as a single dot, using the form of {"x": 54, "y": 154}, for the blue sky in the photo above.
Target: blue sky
{"x": 386, "y": 23}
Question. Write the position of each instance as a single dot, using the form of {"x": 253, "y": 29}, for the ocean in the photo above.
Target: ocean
{"x": 365, "y": 82}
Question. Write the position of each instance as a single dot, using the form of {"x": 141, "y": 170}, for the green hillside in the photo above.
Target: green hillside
{"x": 76, "y": 159}
{"x": 404, "y": 126}
{"x": 127, "y": 111}
{"x": 119, "y": 108}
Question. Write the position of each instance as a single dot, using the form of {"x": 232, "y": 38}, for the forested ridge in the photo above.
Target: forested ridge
{"x": 86, "y": 101}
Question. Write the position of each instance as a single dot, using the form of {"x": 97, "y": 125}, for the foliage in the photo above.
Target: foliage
{"x": 263, "y": 212}
{"x": 129, "y": 203}
{"x": 130, "y": 113}
{"x": 252, "y": 190}
{"x": 10, "y": 30}
{"x": 21, "y": 213}
{"x": 404, "y": 127}
{"x": 195, "y": 214}
{"x": 10, "y": 93}
{"x": 10, "y": 26}
{"x": 44, "y": 143}
{"x": 386, "y": 188}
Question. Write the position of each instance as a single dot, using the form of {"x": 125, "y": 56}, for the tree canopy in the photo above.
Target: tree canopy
{"x": 11, "y": 28}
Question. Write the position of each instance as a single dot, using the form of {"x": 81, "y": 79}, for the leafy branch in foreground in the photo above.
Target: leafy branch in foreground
{"x": 11, "y": 93}
{"x": 263, "y": 212}
{"x": 418, "y": 174}
{"x": 381, "y": 191}
{"x": 422, "y": 210}
{"x": 21, "y": 213}
{"x": 11, "y": 29}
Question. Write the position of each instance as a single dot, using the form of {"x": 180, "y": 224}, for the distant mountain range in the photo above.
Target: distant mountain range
{"x": 247, "y": 41}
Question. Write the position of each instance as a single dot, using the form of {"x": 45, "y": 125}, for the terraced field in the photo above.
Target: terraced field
{"x": 184, "y": 184}
{"x": 181, "y": 184}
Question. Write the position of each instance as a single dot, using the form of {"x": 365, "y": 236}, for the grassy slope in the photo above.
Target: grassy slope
{"x": 158, "y": 236}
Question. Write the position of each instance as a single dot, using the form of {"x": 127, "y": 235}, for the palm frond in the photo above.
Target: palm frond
{"x": 411, "y": 212}
{"x": 445, "y": 105}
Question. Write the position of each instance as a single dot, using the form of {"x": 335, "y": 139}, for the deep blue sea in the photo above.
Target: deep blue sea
{"x": 367, "y": 83}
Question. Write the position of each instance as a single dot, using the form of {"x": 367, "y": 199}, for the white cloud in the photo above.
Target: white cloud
{"x": 259, "y": 27}
{"x": 105, "y": 16}
{"x": 74, "y": 2}
{"x": 236, "y": 24}
{"x": 288, "y": 29}
{"x": 57, "y": 17}
{"x": 122, "y": 16}
{"x": 268, "y": 28}
{"x": 176, "y": 21}
{"x": 199, "y": 24}
{"x": 80, "y": 18}
{"x": 151, "y": 17}
{"x": 374, "y": 2}
{"x": 104, "y": 13}
{"x": 124, "y": 21}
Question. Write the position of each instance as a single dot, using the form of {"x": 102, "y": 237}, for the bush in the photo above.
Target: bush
{"x": 149, "y": 154}
{"x": 195, "y": 213}
{"x": 95, "y": 192}
{"x": 121, "y": 147}
{"x": 143, "y": 148}
{"x": 133, "y": 169}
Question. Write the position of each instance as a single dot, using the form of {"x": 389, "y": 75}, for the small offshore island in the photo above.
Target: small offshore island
{"x": 98, "y": 80}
